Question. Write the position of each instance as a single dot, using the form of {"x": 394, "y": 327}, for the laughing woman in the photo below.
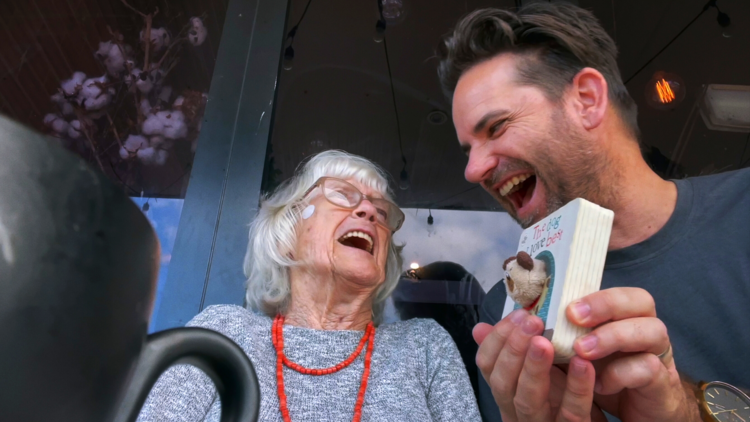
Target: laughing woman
{"x": 320, "y": 263}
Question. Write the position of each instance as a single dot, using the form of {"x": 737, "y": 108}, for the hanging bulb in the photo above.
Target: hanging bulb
{"x": 430, "y": 220}
{"x": 288, "y": 58}
{"x": 665, "y": 91}
{"x": 379, "y": 31}
{"x": 393, "y": 11}
{"x": 725, "y": 23}
{"x": 404, "y": 179}
{"x": 145, "y": 207}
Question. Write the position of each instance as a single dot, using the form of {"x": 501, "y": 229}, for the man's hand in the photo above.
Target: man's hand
{"x": 632, "y": 381}
{"x": 517, "y": 364}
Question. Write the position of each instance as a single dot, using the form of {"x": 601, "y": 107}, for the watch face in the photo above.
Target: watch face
{"x": 725, "y": 404}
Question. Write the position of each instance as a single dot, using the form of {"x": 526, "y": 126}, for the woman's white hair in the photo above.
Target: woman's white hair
{"x": 273, "y": 233}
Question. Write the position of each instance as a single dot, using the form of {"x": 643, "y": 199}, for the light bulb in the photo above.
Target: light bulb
{"x": 414, "y": 266}
{"x": 437, "y": 117}
{"x": 665, "y": 91}
{"x": 404, "y": 179}
{"x": 288, "y": 58}
{"x": 394, "y": 11}
{"x": 725, "y": 23}
{"x": 379, "y": 31}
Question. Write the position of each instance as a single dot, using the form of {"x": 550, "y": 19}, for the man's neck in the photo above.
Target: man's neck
{"x": 644, "y": 203}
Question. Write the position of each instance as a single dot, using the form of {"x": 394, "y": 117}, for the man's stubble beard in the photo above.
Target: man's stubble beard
{"x": 569, "y": 166}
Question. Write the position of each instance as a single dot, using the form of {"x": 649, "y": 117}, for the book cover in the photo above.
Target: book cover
{"x": 571, "y": 243}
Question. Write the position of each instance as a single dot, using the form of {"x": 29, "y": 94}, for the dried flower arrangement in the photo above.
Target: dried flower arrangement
{"x": 131, "y": 106}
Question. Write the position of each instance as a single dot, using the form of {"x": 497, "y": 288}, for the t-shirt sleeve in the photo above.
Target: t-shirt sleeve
{"x": 449, "y": 393}
{"x": 490, "y": 312}
{"x": 184, "y": 393}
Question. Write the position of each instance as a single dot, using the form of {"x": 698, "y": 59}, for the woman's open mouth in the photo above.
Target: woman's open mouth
{"x": 359, "y": 240}
{"x": 519, "y": 190}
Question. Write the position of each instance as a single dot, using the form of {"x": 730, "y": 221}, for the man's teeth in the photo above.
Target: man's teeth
{"x": 515, "y": 181}
{"x": 361, "y": 235}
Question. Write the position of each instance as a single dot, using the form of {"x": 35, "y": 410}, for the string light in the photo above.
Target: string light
{"x": 404, "y": 182}
{"x": 288, "y": 60}
{"x": 404, "y": 177}
{"x": 666, "y": 95}
{"x": 393, "y": 11}
{"x": 379, "y": 31}
{"x": 665, "y": 91}
{"x": 722, "y": 18}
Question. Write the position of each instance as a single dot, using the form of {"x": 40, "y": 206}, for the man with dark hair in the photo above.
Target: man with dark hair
{"x": 541, "y": 111}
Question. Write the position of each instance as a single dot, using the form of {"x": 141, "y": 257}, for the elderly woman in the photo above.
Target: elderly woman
{"x": 320, "y": 263}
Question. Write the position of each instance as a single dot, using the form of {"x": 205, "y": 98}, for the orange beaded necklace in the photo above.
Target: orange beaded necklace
{"x": 277, "y": 336}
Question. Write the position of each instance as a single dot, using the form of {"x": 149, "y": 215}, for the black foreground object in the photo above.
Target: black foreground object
{"x": 78, "y": 268}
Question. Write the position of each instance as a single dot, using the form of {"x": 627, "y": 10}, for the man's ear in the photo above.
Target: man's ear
{"x": 590, "y": 97}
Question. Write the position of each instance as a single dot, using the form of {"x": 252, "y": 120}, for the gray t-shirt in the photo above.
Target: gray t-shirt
{"x": 416, "y": 374}
{"x": 697, "y": 268}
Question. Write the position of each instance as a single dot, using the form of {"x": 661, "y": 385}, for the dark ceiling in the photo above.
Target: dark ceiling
{"x": 338, "y": 92}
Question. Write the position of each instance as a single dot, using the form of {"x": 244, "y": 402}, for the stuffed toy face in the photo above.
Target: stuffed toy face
{"x": 525, "y": 278}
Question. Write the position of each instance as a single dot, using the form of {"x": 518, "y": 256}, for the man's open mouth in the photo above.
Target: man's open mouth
{"x": 359, "y": 240}
{"x": 519, "y": 190}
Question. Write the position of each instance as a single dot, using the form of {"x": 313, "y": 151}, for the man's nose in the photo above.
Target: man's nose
{"x": 479, "y": 167}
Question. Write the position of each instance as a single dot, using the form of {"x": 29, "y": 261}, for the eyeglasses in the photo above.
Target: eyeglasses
{"x": 343, "y": 194}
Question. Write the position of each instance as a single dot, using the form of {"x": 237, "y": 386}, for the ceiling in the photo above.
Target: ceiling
{"x": 338, "y": 92}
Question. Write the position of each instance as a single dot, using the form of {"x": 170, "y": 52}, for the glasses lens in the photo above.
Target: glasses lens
{"x": 345, "y": 195}
{"x": 341, "y": 193}
{"x": 389, "y": 214}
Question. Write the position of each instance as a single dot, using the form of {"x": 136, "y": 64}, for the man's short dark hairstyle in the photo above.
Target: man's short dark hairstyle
{"x": 557, "y": 39}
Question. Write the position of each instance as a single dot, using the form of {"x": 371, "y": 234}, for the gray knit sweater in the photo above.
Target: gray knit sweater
{"x": 416, "y": 374}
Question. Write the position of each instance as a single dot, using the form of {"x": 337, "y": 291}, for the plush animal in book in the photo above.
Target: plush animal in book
{"x": 526, "y": 280}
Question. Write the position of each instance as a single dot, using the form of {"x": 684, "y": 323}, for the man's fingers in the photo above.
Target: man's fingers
{"x": 492, "y": 340}
{"x": 633, "y": 372}
{"x": 611, "y": 305}
{"x": 631, "y": 335}
{"x": 504, "y": 377}
{"x": 532, "y": 393}
{"x": 579, "y": 392}
{"x": 480, "y": 332}
{"x": 654, "y": 391}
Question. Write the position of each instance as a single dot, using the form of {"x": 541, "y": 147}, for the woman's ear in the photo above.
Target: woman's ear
{"x": 590, "y": 97}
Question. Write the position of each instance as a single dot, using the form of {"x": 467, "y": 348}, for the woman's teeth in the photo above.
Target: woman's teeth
{"x": 512, "y": 183}
{"x": 360, "y": 235}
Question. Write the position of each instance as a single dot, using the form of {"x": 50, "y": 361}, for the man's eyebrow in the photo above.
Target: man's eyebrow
{"x": 492, "y": 115}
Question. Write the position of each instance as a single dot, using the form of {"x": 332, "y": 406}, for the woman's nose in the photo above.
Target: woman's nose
{"x": 366, "y": 210}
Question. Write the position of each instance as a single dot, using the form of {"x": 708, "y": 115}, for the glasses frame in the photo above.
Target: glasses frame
{"x": 321, "y": 181}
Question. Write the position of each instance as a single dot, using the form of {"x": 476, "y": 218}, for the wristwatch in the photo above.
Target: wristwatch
{"x": 719, "y": 401}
